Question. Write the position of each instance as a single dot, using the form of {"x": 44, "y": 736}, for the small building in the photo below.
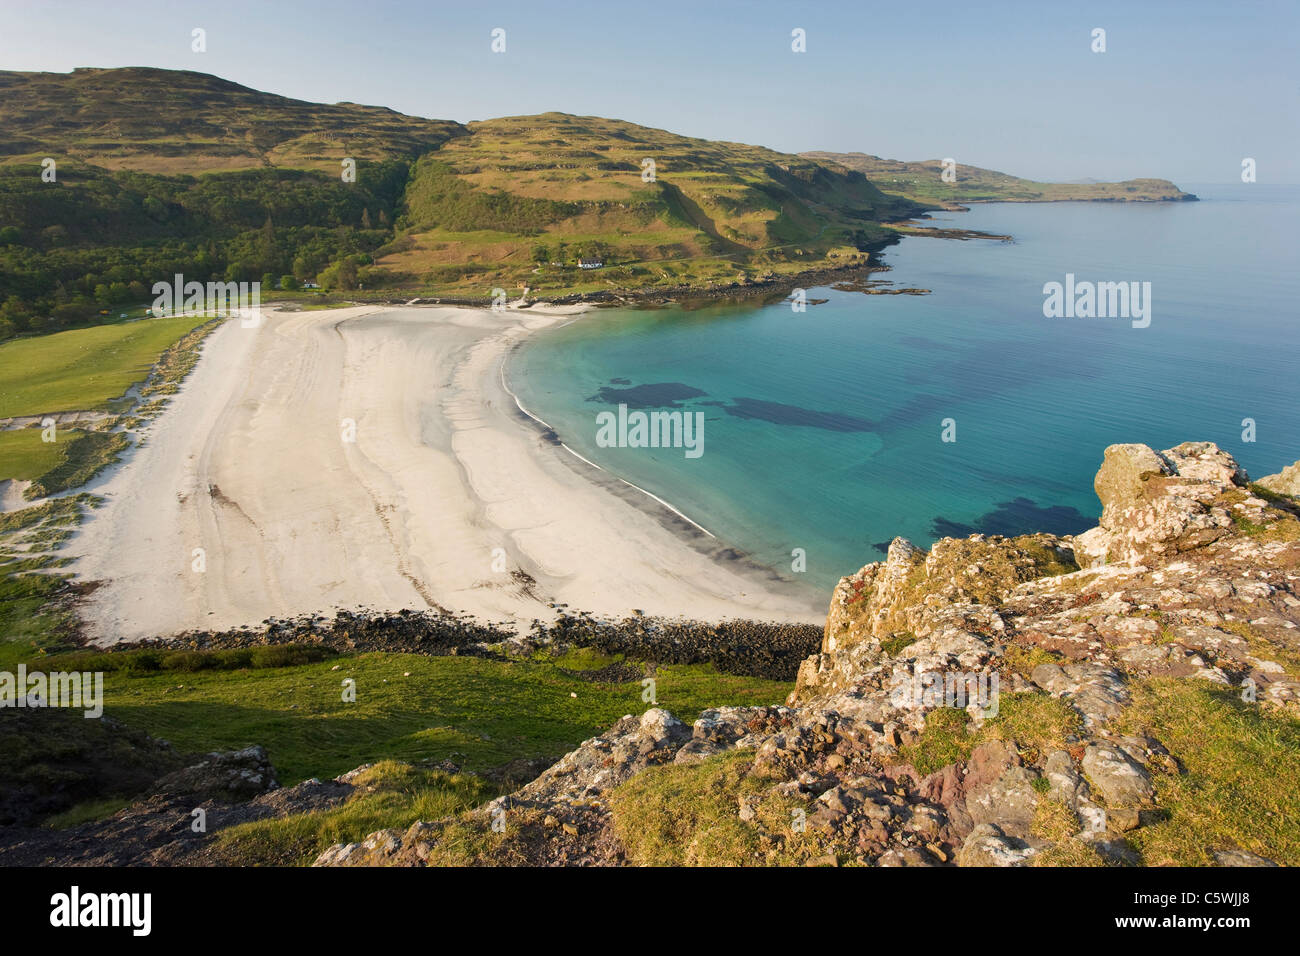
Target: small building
{"x": 591, "y": 264}
{"x": 310, "y": 285}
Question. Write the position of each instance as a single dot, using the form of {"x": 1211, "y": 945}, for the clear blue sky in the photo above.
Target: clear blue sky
{"x": 1184, "y": 91}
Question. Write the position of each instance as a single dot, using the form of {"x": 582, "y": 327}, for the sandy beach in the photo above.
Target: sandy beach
{"x": 374, "y": 457}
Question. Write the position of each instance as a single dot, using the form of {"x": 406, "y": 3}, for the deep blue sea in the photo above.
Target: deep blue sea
{"x": 823, "y": 430}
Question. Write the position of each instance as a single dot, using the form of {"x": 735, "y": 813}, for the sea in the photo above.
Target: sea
{"x": 827, "y": 432}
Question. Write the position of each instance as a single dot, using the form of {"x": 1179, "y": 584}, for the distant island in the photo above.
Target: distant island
{"x": 923, "y": 182}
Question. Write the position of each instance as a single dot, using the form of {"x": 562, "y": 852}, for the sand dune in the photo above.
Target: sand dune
{"x": 250, "y": 464}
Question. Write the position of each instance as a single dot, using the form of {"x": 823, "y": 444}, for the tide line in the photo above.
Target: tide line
{"x": 588, "y": 461}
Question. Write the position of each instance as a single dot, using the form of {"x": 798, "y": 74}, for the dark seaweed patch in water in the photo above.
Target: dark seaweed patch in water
{"x": 620, "y": 381}
{"x": 779, "y": 414}
{"x": 1018, "y": 516}
{"x": 652, "y": 395}
{"x": 883, "y": 546}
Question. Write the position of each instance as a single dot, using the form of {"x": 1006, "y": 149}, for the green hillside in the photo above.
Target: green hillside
{"x": 162, "y": 172}
{"x": 521, "y": 199}
{"x": 178, "y": 121}
{"x": 922, "y": 181}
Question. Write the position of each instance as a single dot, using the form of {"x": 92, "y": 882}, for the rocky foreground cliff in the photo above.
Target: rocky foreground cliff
{"x": 1124, "y": 689}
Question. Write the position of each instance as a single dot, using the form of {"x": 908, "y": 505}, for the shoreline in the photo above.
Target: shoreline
{"x": 445, "y": 497}
{"x": 551, "y": 434}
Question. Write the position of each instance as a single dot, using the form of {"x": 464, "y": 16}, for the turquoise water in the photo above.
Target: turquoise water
{"x": 823, "y": 429}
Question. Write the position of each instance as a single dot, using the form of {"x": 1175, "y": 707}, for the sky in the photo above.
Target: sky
{"x": 1184, "y": 90}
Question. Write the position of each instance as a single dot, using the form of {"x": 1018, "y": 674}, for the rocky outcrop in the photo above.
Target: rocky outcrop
{"x": 1285, "y": 482}
{"x": 891, "y": 741}
{"x": 162, "y": 827}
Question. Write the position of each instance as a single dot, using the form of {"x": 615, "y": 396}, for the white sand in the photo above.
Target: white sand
{"x": 249, "y": 464}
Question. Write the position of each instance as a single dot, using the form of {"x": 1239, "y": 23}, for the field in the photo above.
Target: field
{"x": 83, "y": 369}
{"x": 24, "y": 456}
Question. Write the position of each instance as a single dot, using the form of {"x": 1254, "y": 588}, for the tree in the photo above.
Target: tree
{"x": 347, "y": 274}
{"x": 240, "y": 272}
{"x": 288, "y": 283}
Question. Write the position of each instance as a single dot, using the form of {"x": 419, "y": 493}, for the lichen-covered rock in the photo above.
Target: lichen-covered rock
{"x": 230, "y": 776}
{"x": 1285, "y": 482}
{"x": 987, "y": 845}
{"x": 1160, "y": 503}
{"x": 1122, "y": 478}
{"x": 1120, "y": 779}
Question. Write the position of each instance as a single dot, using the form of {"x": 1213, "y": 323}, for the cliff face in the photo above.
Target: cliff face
{"x": 1103, "y": 699}
{"x": 1183, "y": 547}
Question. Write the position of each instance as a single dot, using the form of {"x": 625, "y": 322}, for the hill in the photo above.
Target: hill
{"x": 182, "y": 122}
{"x": 162, "y": 171}
{"x": 922, "y": 181}
{"x": 521, "y": 199}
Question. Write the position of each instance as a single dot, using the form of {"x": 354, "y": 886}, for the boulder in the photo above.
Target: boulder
{"x": 1120, "y": 779}
{"x": 229, "y": 776}
{"x": 1122, "y": 477}
{"x": 987, "y": 845}
{"x": 1285, "y": 482}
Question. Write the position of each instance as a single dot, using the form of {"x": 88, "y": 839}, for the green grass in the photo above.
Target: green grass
{"x": 24, "y": 456}
{"x": 89, "y": 812}
{"x": 84, "y": 457}
{"x": 478, "y": 713}
{"x": 1240, "y": 780}
{"x": 31, "y": 621}
{"x": 1034, "y": 722}
{"x": 895, "y": 643}
{"x": 83, "y": 369}
{"x": 476, "y": 212}
{"x": 688, "y": 815}
{"x": 388, "y": 795}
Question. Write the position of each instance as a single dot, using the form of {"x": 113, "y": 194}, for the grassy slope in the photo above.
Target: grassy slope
{"x": 479, "y": 207}
{"x": 178, "y": 121}
{"x": 922, "y": 181}
{"x": 24, "y": 455}
{"x": 173, "y": 171}
{"x": 83, "y": 369}
{"x": 478, "y": 713}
